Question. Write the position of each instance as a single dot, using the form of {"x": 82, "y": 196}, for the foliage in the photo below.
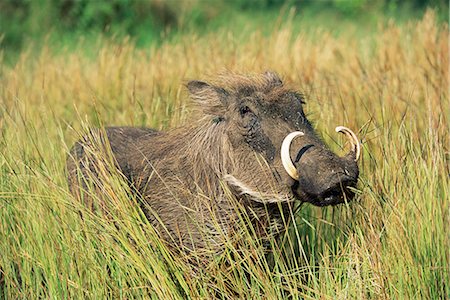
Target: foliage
{"x": 22, "y": 21}
{"x": 391, "y": 243}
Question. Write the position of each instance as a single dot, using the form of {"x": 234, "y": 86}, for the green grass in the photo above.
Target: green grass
{"x": 33, "y": 26}
{"x": 391, "y": 243}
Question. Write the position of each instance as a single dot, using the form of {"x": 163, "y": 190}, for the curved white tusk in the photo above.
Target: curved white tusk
{"x": 286, "y": 156}
{"x": 353, "y": 139}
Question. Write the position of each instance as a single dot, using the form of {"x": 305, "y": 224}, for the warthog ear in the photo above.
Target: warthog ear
{"x": 210, "y": 99}
{"x": 195, "y": 86}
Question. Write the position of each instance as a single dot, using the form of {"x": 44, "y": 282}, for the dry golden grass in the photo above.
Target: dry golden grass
{"x": 392, "y": 86}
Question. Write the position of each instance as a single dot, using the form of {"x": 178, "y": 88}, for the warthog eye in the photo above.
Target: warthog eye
{"x": 243, "y": 110}
{"x": 217, "y": 120}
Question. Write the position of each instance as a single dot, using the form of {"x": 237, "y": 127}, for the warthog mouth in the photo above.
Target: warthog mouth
{"x": 332, "y": 196}
{"x": 336, "y": 195}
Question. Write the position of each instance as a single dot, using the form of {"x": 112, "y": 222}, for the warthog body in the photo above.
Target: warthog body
{"x": 191, "y": 179}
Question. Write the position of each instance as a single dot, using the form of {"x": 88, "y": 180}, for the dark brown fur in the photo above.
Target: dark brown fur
{"x": 191, "y": 179}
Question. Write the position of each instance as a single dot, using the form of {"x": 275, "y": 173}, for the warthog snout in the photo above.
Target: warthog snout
{"x": 321, "y": 177}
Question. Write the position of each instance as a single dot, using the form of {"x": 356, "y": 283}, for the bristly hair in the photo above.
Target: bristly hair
{"x": 268, "y": 83}
{"x": 211, "y": 98}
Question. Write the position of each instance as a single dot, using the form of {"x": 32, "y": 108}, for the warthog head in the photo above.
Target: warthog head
{"x": 260, "y": 125}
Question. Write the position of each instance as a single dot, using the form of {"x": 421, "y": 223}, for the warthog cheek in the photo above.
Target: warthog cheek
{"x": 262, "y": 144}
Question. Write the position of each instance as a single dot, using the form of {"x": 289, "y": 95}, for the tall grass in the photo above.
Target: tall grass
{"x": 392, "y": 242}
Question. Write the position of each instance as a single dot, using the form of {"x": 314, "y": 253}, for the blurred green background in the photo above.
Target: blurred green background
{"x": 61, "y": 23}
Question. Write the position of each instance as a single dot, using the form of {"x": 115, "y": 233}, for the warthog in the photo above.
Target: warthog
{"x": 252, "y": 147}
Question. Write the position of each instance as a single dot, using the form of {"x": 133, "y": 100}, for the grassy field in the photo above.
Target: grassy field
{"x": 391, "y": 243}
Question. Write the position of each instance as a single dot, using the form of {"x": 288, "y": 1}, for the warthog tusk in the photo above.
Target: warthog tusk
{"x": 286, "y": 156}
{"x": 356, "y": 145}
